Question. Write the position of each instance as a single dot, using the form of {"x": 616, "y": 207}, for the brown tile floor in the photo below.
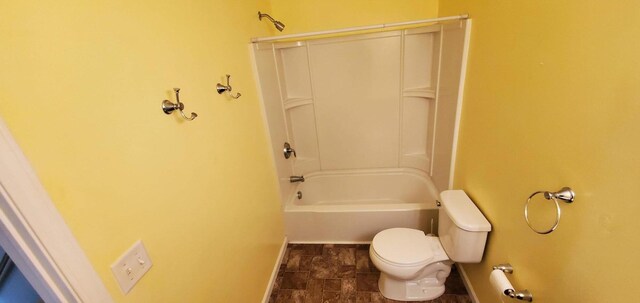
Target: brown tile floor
{"x": 332, "y": 273}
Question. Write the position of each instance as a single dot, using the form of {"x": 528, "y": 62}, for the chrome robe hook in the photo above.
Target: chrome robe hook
{"x": 168, "y": 107}
{"x": 226, "y": 88}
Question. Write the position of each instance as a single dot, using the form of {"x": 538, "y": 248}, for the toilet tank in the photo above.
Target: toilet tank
{"x": 461, "y": 227}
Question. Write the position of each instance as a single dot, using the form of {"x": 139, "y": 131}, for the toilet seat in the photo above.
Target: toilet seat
{"x": 402, "y": 247}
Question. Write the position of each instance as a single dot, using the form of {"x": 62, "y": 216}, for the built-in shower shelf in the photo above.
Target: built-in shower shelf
{"x": 422, "y": 92}
{"x": 295, "y": 102}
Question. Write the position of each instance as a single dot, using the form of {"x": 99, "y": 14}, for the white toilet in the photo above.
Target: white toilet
{"x": 413, "y": 266}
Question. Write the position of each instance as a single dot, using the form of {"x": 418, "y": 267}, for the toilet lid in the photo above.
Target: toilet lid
{"x": 404, "y": 246}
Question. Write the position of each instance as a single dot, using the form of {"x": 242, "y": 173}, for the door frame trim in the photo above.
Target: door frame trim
{"x": 36, "y": 237}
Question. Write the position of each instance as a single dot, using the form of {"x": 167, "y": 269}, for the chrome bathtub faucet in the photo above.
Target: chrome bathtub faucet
{"x": 294, "y": 179}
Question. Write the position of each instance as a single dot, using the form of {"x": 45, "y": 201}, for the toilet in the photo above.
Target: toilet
{"x": 414, "y": 266}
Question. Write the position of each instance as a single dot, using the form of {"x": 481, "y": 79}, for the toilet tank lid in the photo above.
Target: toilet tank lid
{"x": 463, "y": 212}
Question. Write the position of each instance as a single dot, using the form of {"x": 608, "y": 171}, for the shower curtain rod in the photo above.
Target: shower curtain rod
{"x": 358, "y": 28}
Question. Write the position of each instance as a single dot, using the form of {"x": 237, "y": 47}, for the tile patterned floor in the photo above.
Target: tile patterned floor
{"x": 328, "y": 273}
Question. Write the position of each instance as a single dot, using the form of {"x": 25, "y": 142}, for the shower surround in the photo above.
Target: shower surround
{"x": 373, "y": 120}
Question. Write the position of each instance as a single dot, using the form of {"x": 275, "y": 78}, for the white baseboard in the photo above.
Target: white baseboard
{"x": 274, "y": 273}
{"x": 330, "y": 242}
{"x": 467, "y": 284}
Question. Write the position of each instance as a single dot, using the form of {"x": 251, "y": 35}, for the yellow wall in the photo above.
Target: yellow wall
{"x": 552, "y": 100}
{"x": 81, "y": 87}
{"x": 312, "y": 15}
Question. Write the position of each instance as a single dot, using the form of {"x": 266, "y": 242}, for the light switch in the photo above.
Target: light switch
{"x": 131, "y": 266}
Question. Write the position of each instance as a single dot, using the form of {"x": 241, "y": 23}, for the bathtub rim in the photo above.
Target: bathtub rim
{"x": 433, "y": 192}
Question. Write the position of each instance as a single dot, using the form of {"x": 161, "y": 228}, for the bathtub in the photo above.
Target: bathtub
{"x": 352, "y": 206}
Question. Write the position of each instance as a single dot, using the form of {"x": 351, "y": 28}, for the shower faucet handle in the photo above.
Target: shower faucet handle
{"x": 288, "y": 150}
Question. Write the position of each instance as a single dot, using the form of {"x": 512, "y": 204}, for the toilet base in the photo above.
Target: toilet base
{"x": 418, "y": 290}
{"x": 424, "y": 288}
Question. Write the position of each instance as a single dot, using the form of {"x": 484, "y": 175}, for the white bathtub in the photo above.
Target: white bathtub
{"x": 352, "y": 206}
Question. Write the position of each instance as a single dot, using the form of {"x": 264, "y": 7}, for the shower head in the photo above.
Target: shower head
{"x": 279, "y": 25}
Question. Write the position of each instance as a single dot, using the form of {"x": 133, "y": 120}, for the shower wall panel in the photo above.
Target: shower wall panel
{"x": 302, "y": 128}
{"x": 356, "y": 85}
{"x": 420, "y": 73}
{"x": 382, "y": 100}
{"x": 267, "y": 74}
{"x": 295, "y": 79}
{"x": 298, "y": 105}
{"x": 454, "y": 42}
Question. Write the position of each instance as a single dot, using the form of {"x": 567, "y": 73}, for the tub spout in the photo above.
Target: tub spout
{"x": 294, "y": 179}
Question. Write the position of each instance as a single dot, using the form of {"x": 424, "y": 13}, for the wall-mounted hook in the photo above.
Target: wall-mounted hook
{"x": 226, "y": 88}
{"x": 168, "y": 107}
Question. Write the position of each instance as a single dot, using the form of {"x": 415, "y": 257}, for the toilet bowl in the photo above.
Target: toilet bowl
{"x": 414, "y": 266}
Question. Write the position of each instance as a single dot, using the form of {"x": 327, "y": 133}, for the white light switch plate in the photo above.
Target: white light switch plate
{"x": 131, "y": 266}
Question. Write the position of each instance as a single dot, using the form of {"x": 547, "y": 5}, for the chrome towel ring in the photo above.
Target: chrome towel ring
{"x": 565, "y": 194}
